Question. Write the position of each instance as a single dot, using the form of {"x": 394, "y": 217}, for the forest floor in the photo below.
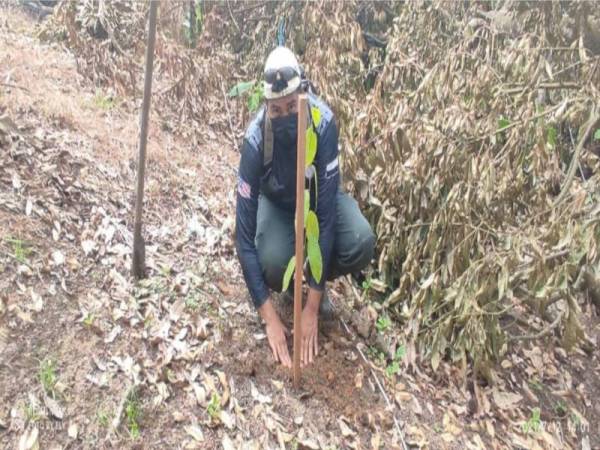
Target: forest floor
{"x": 91, "y": 359}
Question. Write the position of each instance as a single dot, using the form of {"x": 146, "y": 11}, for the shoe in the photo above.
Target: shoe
{"x": 326, "y": 309}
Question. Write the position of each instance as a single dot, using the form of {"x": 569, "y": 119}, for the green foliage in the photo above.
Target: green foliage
{"x": 400, "y": 353}
{"x": 394, "y": 367}
{"x": 315, "y": 258}
{"x": 191, "y": 301}
{"x": 383, "y": 323}
{"x": 534, "y": 423}
{"x": 311, "y": 146}
{"x": 306, "y": 204}
{"x": 375, "y": 354}
{"x": 256, "y": 97}
{"x": 88, "y": 320}
{"x": 19, "y": 249}
{"x": 597, "y": 135}
{"x": 503, "y": 123}
{"x": 552, "y": 137}
{"x": 105, "y": 102}
{"x": 311, "y": 226}
{"x": 47, "y": 376}
{"x": 561, "y": 408}
{"x": 31, "y": 412}
{"x": 214, "y": 407}
{"x": 253, "y": 89}
{"x": 133, "y": 413}
{"x": 103, "y": 418}
{"x": 289, "y": 271}
{"x": 241, "y": 88}
{"x": 193, "y": 24}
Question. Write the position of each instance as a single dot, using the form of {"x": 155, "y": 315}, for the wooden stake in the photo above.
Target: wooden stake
{"x": 300, "y": 169}
{"x": 138, "y": 264}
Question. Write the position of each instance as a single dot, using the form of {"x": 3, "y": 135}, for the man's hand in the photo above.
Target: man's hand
{"x": 276, "y": 333}
{"x": 310, "y": 327}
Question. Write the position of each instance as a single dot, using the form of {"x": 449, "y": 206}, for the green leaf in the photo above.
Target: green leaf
{"x": 392, "y": 369}
{"x": 256, "y": 97}
{"x": 287, "y": 276}
{"x": 503, "y": 123}
{"x": 306, "y": 205}
{"x": 551, "y": 139}
{"x": 312, "y": 226}
{"x": 400, "y": 353}
{"x": 314, "y": 258}
{"x": 240, "y": 88}
{"x": 311, "y": 145}
{"x": 597, "y": 135}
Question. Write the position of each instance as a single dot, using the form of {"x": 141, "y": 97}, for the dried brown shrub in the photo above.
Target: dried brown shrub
{"x": 460, "y": 127}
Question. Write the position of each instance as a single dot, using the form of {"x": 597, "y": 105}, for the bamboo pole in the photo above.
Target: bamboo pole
{"x": 300, "y": 169}
{"x": 139, "y": 250}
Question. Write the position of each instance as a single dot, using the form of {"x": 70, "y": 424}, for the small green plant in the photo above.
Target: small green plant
{"x": 88, "y": 320}
{"x": 536, "y": 385}
{"x": 383, "y": 323}
{"x": 193, "y": 25}
{"x": 105, "y": 102}
{"x": 561, "y": 408}
{"x": 214, "y": 407}
{"x": 47, "y": 376}
{"x": 19, "y": 249}
{"x": 394, "y": 367}
{"x": 366, "y": 285}
{"x": 103, "y": 418}
{"x": 133, "y": 413}
{"x": 552, "y": 137}
{"x": 253, "y": 89}
{"x": 503, "y": 123}
{"x": 165, "y": 270}
{"x": 191, "y": 302}
{"x": 375, "y": 354}
{"x": 597, "y": 135}
{"x": 534, "y": 423}
{"x": 256, "y": 97}
{"x": 31, "y": 412}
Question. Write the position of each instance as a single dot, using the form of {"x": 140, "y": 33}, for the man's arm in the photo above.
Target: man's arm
{"x": 245, "y": 223}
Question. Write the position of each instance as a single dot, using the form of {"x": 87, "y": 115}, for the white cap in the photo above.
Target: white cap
{"x": 278, "y": 59}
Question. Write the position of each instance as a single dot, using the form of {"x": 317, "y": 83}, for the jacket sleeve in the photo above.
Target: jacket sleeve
{"x": 245, "y": 223}
{"x": 328, "y": 179}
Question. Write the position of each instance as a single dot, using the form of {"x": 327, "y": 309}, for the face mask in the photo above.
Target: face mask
{"x": 285, "y": 130}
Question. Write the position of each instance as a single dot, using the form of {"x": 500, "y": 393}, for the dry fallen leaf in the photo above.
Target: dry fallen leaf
{"x": 227, "y": 419}
{"x": 505, "y": 400}
{"x": 345, "y": 429}
{"x": 53, "y": 407}
{"x": 195, "y": 431}
{"x": 227, "y": 443}
{"x": 73, "y": 430}
{"x": 29, "y": 440}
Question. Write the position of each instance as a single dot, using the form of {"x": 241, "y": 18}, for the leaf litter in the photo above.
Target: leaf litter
{"x": 60, "y": 205}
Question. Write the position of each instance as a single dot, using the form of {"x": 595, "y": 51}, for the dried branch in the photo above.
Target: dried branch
{"x": 575, "y": 160}
{"x": 540, "y": 334}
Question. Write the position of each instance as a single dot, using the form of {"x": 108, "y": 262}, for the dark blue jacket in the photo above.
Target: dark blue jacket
{"x": 277, "y": 182}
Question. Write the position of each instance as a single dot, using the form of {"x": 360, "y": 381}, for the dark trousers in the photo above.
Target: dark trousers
{"x": 275, "y": 238}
